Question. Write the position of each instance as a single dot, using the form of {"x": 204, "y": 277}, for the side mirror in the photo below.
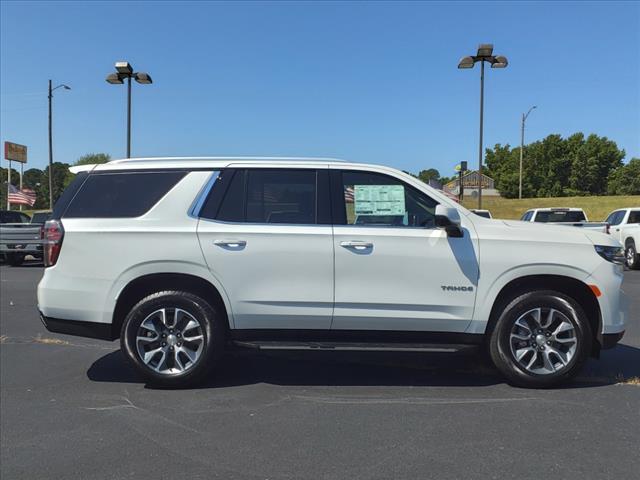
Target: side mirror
{"x": 448, "y": 218}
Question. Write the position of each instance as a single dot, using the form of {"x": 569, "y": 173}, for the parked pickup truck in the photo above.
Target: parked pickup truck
{"x": 574, "y": 217}
{"x": 624, "y": 225}
{"x": 21, "y": 235}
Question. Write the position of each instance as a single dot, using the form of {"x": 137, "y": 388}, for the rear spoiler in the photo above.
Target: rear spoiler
{"x": 82, "y": 168}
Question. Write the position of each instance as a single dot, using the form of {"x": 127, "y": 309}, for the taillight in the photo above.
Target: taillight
{"x": 53, "y": 235}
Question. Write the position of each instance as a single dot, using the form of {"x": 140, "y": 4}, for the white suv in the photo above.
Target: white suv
{"x": 184, "y": 258}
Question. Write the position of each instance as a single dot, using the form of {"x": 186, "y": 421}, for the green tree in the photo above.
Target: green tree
{"x": 555, "y": 167}
{"x": 429, "y": 174}
{"x": 592, "y": 163}
{"x": 625, "y": 180}
{"x": 93, "y": 158}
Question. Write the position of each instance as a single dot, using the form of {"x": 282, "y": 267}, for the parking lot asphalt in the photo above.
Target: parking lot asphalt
{"x": 71, "y": 408}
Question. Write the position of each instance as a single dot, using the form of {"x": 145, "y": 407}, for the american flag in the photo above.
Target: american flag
{"x": 25, "y": 196}
{"x": 348, "y": 194}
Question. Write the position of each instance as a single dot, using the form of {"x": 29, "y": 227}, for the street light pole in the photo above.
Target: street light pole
{"x": 125, "y": 71}
{"x": 129, "y": 118}
{"x": 481, "y": 132}
{"x": 51, "y": 90}
{"x": 484, "y": 54}
{"x": 524, "y": 119}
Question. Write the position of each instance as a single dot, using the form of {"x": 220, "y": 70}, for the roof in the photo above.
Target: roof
{"x": 214, "y": 163}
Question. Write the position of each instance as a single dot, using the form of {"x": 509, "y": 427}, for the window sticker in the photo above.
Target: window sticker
{"x": 379, "y": 200}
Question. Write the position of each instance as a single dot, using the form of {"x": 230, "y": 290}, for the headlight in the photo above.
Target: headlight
{"x": 611, "y": 254}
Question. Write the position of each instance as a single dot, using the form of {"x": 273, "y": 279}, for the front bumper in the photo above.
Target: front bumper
{"x": 101, "y": 331}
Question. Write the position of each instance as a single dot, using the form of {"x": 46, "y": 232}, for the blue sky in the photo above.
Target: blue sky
{"x": 374, "y": 82}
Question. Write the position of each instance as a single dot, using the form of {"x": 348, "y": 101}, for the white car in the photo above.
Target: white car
{"x": 184, "y": 258}
{"x": 624, "y": 225}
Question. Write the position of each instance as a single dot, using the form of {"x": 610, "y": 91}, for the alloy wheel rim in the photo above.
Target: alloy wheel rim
{"x": 630, "y": 256}
{"x": 169, "y": 341}
{"x": 543, "y": 341}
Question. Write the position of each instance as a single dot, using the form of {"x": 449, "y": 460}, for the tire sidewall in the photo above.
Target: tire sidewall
{"x": 635, "y": 263}
{"x": 500, "y": 347}
{"x": 200, "y": 309}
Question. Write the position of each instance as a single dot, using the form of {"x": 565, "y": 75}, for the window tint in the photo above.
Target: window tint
{"x": 379, "y": 200}
{"x": 615, "y": 218}
{"x": 9, "y": 216}
{"x": 634, "y": 216}
{"x": 281, "y": 196}
{"x": 232, "y": 207}
{"x": 527, "y": 216}
{"x": 560, "y": 216}
{"x": 128, "y": 194}
{"x": 40, "y": 217}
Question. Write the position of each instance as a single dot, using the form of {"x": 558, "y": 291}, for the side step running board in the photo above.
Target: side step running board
{"x": 354, "y": 346}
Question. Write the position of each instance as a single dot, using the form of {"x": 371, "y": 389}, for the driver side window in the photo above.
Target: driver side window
{"x": 374, "y": 199}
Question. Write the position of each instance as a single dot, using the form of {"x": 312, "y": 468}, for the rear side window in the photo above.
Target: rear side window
{"x": 634, "y": 216}
{"x": 281, "y": 196}
{"x": 270, "y": 196}
{"x": 118, "y": 195}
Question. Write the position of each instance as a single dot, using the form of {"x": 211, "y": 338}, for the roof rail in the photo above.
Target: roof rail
{"x": 239, "y": 159}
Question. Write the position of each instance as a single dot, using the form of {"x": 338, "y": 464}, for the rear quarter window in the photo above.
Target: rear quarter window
{"x": 121, "y": 195}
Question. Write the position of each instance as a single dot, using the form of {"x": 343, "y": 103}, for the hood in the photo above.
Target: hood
{"x": 565, "y": 232}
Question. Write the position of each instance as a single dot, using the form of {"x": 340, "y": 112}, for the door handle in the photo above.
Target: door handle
{"x": 357, "y": 245}
{"x": 230, "y": 243}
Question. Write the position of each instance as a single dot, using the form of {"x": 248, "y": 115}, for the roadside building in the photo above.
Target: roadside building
{"x": 470, "y": 183}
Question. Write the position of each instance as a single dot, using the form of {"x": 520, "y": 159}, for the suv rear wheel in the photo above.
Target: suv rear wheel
{"x": 173, "y": 338}
{"x": 631, "y": 255}
{"x": 542, "y": 338}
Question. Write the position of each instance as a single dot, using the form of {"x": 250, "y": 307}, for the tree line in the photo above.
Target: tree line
{"x": 38, "y": 180}
{"x": 561, "y": 167}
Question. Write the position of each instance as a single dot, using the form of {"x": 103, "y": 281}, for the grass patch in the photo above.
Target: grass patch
{"x": 597, "y": 208}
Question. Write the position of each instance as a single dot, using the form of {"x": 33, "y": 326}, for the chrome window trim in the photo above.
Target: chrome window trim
{"x": 201, "y": 197}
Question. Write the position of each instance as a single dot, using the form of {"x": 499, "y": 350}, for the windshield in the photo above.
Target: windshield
{"x": 560, "y": 216}
{"x": 40, "y": 217}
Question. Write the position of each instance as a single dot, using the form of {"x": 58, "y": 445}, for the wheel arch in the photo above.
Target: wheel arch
{"x": 569, "y": 286}
{"x": 144, "y": 285}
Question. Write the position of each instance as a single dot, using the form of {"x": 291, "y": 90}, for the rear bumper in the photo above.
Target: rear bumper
{"x": 101, "y": 331}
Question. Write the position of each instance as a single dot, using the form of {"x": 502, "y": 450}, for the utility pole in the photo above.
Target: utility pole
{"x": 50, "y": 149}
{"x": 524, "y": 119}
{"x": 481, "y": 131}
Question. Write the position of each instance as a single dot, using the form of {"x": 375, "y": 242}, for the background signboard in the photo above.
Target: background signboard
{"x": 15, "y": 152}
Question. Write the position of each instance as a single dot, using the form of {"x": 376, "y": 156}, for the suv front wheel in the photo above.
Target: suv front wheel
{"x": 542, "y": 338}
{"x": 173, "y": 338}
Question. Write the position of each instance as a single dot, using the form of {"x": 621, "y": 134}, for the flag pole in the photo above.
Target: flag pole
{"x": 8, "y": 183}
{"x": 21, "y": 170}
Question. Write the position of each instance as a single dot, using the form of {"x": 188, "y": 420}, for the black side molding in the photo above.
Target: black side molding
{"x": 101, "y": 331}
{"x": 609, "y": 340}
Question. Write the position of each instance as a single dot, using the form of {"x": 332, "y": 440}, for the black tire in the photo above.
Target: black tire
{"x": 212, "y": 327}
{"x": 15, "y": 259}
{"x": 500, "y": 347}
{"x": 632, "y": 258}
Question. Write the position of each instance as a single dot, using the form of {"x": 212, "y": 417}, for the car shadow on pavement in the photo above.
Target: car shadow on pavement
{"x": 370, "y": 369}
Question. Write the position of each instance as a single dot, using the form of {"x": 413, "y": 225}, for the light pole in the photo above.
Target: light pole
{"x": 524, "y": 119}
{"x": 125, "y": 71}
{"x": 51, "y": 90}
{"x": 484, "y": 54}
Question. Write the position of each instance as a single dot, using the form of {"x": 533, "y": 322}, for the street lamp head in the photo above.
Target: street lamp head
{"x": 499, "y": 62}
{"x": 485, "y": 50}
{"x": 114, "y": 79}
{"x": 466, "y": 62}
{"x": 124, "y": 68}
{"x": 66, "y": 87}
{"x": 143, "y": 78}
